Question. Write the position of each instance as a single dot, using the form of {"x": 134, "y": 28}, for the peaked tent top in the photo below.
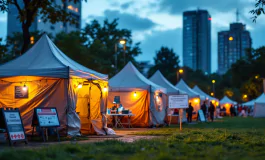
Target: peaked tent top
{"x": 225, "y": 100}
{"x": 198, "y": 90}
{"x": 130, "y": 78}
{"x": 260, "y": 99}
{"x": 183, "y": 86}
{"x": 45, "y": 59}
{"x": 159, "y": 79}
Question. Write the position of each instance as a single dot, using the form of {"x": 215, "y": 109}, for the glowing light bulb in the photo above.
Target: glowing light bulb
{"x": 25, "y": 88}
{"x": 79, "y": 85}
{"x": 105, "y": 89}
{"x": 135, "y": 94}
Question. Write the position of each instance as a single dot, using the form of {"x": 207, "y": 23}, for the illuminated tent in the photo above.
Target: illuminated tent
{"x": 226, "y": 102}
{"x": 159, "y": 79}
{"x": 209, "y": 98}
{"x": 144, "y": 98}
{"x": 259, "y": 107}
{"x": 194, "y": 97}
{"x": 52, "y": 80}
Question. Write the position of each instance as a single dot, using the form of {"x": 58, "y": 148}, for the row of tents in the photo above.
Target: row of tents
{"x": 80, "y": 94}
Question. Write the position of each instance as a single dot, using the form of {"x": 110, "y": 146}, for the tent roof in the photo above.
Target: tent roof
{"x": 45, "y": 59}
{"x": 260, "y": 99}
{"x": 130, "y": 78}
{"x": 225, "y": 100}
{"x": 249, "y": 103}
{"x": 198, "y": 90}
{"x": 159, "y": 79}
{"x": 184, "y": 87}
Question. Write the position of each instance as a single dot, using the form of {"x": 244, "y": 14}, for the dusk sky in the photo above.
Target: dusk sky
{"x": 157, "y": 23}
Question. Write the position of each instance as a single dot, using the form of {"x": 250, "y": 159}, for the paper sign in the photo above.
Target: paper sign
{"x": 14, "y": 125}
{"x": 117, "y": 99}
{"x": 201, "y": 116}
{"x": 178, "y": 101}
{"x": 47, "y": 117}
{"x": 21, "y": 92}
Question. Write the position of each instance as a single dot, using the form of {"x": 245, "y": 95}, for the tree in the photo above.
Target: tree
{"x": 167, "y": 62}
{"x": 48, "y": 10}
{"x": 3, "y": 50}
{"x": 101, "y": 41}
{"x": 258, "y": 10}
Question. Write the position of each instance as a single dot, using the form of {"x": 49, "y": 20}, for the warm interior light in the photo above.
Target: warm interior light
{"x": 212, "y": 94}
{"x": 122, "y": 41}
{"x": 135, "y": 94}
{"x": 213, "y": 101}
{"x": 181, "y": 71}
{"x": 79, "y": 85}
{"x": 245, "y": 96}
{"x": 105, "y": 89}
{"x": 196, "y": 100}
{"x": 226, "y": 105}
{"x": 231, "y": 38}
{"x": 25, "y": 88}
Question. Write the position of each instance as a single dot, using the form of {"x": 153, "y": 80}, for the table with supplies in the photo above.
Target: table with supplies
{"x": 118, "y": 117}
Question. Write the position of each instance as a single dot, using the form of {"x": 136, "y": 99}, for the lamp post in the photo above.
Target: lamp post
{"x": 213, "y": 81}
{"x": 180, "y": 71}
{"x": 123, "y": 42}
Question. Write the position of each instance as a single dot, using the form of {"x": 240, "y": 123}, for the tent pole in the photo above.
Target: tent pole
{"x": 68, "y": 86}
{"x": 150, "y": 91}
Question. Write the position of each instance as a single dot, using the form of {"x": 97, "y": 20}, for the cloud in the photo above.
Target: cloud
{"x": 129, "y": 21}
{"x": 177, "y": 7}
{"x": 127, "y": 5}
{"x": 3, "y": 25}
{"x": 154, "y": 41}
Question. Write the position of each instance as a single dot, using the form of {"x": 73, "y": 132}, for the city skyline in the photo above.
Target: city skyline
{"x": 159, "y": 23}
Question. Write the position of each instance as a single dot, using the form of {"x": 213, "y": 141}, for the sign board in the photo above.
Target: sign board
{"x": 117, "y": 99}
{"x": 21, "y": 92}
{"x": 201, "y": 116}
{"x": 14, "y": 125}
{"x": 178, "y": 101}
{"x": 47, "y": 117}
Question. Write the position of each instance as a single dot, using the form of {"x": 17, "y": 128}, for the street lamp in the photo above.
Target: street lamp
{"x": 213, "y": 82}
{"x": 122, "y": 42}
{"x": 180, "y": 71}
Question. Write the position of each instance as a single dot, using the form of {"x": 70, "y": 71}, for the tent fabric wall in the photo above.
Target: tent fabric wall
{"x": 42, "y": 93}
{"x": 139, "y": 105}
{"x": 259, "y": 110}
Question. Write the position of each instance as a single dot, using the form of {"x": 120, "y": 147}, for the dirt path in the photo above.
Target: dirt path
{"x": 125, "y": 135}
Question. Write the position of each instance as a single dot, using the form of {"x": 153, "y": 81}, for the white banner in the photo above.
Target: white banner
{"x": 178, "y": 101}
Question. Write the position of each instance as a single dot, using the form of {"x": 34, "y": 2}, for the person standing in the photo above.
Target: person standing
{"x": 189, "y": 111}
{"x": 204, "y": 109}
{"x": 211, "y": 111}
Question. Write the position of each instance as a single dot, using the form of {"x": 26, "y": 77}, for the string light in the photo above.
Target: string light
{"x": 135, "y": 94}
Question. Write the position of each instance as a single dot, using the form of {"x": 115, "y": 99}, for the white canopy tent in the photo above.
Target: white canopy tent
{"x": 159, "y": 79}
{"x": 194, "y": 97}
{"x": 259, "y": 107}
{"x": 249, "y": 103}
{"x": 198, "y": 90}
{"x": 52, "y": 79}
{"x": 144, "y": 98}
{"x": 226, "y": 103}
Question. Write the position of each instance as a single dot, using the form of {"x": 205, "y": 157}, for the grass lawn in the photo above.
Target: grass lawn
{"x": 229, "y": 138}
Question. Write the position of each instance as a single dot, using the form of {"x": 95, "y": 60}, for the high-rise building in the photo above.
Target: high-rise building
{"x": 14, "y": 25}
{"x": 232, "y": 46}
{"x": 197, "y": 40}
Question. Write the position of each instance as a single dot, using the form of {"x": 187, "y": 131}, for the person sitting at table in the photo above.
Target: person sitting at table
{"x": 120, "y": 109}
